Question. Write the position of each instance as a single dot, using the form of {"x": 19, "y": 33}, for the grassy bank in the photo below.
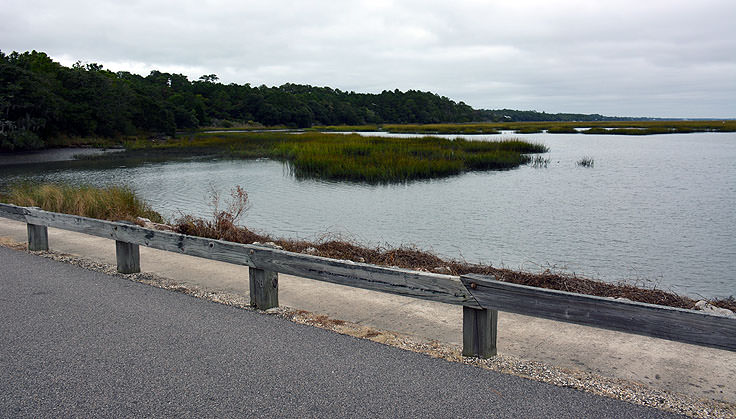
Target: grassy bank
{"x": 110, "y": 203}
{"x": 354, "y": 157}
{"x": 488, "y": 128}
{"x": 590, "y": 127}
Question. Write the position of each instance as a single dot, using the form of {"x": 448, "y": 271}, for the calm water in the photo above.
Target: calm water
{"x": 660, "y": 210}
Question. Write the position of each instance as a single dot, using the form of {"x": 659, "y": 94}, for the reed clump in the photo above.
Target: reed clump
{"x": 112, "y": 203}
{"x": 540, "y": 162}
{"x": 586, "y": 162}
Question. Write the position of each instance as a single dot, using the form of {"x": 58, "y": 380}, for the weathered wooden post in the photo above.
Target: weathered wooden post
{"x": 38, "y": 237}
{"x": 480, "y": 327}
{"x": 264, "y": 288}
{"x": 129, "y": 257}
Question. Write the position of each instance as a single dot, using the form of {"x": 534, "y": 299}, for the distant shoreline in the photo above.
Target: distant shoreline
{"x": 55, "y": 154}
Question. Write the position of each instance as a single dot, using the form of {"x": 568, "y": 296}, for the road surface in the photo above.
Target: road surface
{"x": 80, "y": 343}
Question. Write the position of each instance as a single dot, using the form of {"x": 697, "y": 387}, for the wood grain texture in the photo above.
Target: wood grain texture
{"x": 425, "y": 285}
{"x": 264, "y": 288}
{"x": 38, "y": 237}
{"x": 128, "y": 257}
{"x": 480, "y": 329}
{"x": 687, "y": 326}
{"x": 13, "y": 212}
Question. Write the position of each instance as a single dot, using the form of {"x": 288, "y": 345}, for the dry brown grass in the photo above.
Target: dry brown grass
{"x": 416, "y": 259}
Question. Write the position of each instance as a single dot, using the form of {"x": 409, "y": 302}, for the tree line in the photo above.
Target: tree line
{"x": 42, "y": 99}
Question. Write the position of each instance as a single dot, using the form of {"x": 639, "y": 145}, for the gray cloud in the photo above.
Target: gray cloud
{"x": 654, "y": 58}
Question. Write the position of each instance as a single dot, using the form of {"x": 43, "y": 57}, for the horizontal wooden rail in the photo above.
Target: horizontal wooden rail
{"x": 688, "y": 326}
{"x": 425, "y": 285}
{"x": 481, "y": 296}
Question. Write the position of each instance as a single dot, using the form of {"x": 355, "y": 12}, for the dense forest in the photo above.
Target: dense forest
{"x": 42, "y": 99}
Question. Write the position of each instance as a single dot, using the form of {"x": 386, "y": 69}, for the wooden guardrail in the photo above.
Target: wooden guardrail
{"x": 480, "y": 296}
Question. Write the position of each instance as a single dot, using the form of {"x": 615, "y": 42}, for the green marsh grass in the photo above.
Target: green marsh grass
{"x": 593, "y": 127}
{"x": 562, "y": 129}
{"x": 468, "y": 129}
{"x": 109, "y": 203}
{"x": 357, "y": 158}
{"x": 381, "y": 159}
{"x": 346, "y": 128}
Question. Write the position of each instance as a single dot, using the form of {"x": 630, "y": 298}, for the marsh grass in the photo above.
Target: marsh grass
{"x": 380, "y": 159}
{"x": 470, "y": 129}
{"x": 527, "y": 130}
{"x": 353, "y": 157}
{"x": 586, "y": 162}
{"x": 110, "y": 203}
{"x": 593, "y": 127}
{"x": 346, "y": 128}
{"x": 487, "y": 128}
{"x": 562, "y": 129}
{"x": 539, "y": 162}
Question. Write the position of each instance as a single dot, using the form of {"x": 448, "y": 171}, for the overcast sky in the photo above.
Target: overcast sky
{"x": 667, "y": 58}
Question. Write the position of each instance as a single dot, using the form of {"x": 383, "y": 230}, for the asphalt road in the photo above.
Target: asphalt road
{"x": 76, "y": 343}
